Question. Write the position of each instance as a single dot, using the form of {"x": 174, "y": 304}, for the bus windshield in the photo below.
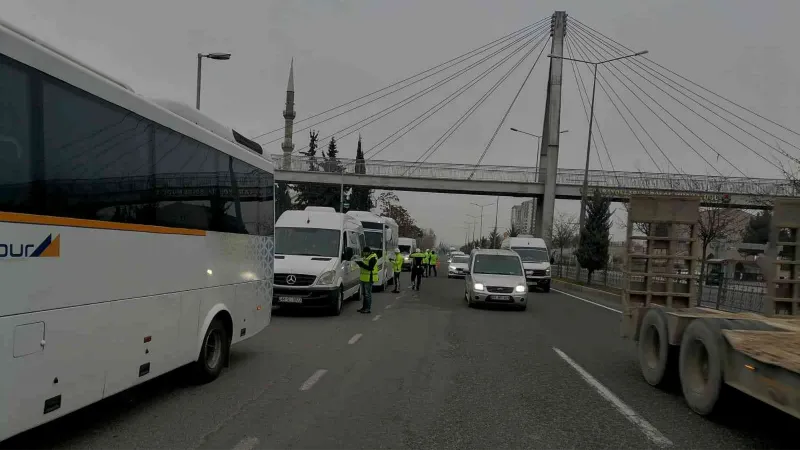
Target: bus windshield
{"x": 307, "y": 241}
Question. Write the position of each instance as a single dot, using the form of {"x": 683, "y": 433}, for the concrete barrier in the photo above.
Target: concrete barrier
{"x": 578, "y": 289}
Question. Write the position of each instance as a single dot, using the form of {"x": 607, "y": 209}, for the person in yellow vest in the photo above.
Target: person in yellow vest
{"x": 417, "y": 269}
{"x": 397, "y": 265}
{"x": 369, "y": 273}
{"x": 434, "y": 261}
{"x": 426, "y": 262}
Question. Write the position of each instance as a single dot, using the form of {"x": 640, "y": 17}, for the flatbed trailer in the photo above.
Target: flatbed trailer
{"x": 708, "y": 350}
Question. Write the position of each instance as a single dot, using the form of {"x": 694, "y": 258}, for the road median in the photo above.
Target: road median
{"x": 605, "y": 294}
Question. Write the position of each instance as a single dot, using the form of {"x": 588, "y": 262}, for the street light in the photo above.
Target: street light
{"x": 481, "y": 207}
{"x": 538, "y": 146}
{"x": 591, "y": 123}
{"x": 200, "y": 56}
{"x": 474, "y": 222}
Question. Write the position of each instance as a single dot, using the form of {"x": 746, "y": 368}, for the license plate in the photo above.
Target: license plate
{"x": 290, "y": 300}
{"x": 501, "y": 297}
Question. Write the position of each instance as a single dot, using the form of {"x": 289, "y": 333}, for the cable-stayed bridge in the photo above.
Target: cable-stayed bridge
{"x": 673, "y": 122}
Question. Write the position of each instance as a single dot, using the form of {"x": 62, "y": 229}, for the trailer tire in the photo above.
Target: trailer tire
{"x": 700, "y": 365}
{"x": 657, "y": 359}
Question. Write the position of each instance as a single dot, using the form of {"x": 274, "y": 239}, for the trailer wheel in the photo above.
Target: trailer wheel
{"x": 657, "y": 359}
{"x": 700, "y": 366}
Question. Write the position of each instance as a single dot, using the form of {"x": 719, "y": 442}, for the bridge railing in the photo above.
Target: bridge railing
{"x": 597, "y": 178}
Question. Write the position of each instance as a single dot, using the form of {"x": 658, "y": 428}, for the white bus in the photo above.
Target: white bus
{"x": 133, "y": 240}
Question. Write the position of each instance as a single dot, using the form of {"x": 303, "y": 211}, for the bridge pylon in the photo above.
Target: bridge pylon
{"x": 548, "y": 167}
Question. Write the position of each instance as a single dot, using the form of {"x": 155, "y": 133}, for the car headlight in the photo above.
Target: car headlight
{"x": 520, "y": 288}
{"x": 547, "y": 271}
{"x": 327, "y": 277}
{"x": 478, "y": 286}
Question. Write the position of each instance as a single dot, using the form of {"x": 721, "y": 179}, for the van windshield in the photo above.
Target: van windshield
{"x": 497, "y": 265}
{"x": 531, "y": 254}
{"x": 307, "y": 241}
{"x": 374, "y": 239}
{"x": 404, "y": 248}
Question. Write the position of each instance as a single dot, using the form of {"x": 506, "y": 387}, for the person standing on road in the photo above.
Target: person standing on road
{"x": 369, "y": 272}
{"x": 417, "y": 269}
{"x": 426, "y": 262}
{"x": 397, "y": 265}
{"x": 434, "y": 261}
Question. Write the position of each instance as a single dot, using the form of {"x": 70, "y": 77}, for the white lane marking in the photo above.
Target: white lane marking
{"x": 588, "y": 301}
{"x": 248, "y": 443}
{"x": 354, "y": 339}
{"x": 312, "y": 380}
{"x": 388, "y": 306}
{"x": 376, "y": 317}
{"x": 649, "y": 430}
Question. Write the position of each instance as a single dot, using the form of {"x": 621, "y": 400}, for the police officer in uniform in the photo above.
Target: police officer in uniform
{"x": 417, "y": 269}
{"x": 369, "y": 272}
{"x": 397, "y": 265}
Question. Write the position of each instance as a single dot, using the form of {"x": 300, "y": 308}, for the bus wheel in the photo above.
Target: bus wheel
{"x": 213, "y": 353}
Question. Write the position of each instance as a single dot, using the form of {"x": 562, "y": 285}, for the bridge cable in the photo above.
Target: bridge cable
{"x": 418, "y": 95}
{"x": 590, "y": 31}
{"x": 444, "y": 102}
{"x": 452, "y": 62}
{"x": 467, "y": 114}
{"x": 508, "y": 110}
{"x": 660, "y": 78}
{"x": 582, "y": 90}
{"x": 570, "y": 45}
{"x": 669, "y": 126}
{"x": 690, "y": 183}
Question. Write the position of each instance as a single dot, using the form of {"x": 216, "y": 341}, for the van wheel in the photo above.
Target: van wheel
{"x": 336, "y": 308}
{"x": 213, "y": 353}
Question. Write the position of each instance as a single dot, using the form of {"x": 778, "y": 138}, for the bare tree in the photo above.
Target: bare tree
{"x": 565, "y": 233}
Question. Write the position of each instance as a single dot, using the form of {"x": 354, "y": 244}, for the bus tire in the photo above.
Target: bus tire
{"x": 213, "y": 353}
{"x": 657, "y": 359}
{"x": 700, "y": 366}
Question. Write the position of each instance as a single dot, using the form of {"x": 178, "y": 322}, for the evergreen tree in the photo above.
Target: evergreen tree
{"x": 309, "y": 194}
{"x": 360, "y": 196}
{"x": 592, "y": 251}
{"x": 283, "y": 201}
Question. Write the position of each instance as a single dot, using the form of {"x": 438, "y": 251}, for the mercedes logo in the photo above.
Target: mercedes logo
{"x": 291, "y": 279}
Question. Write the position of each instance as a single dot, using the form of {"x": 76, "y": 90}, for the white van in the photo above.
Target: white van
{"x": 535, "y": 258}
{"x": 314, "y": 249}
{"x": 407, "y": 246}
{"x": 381, "y": 239}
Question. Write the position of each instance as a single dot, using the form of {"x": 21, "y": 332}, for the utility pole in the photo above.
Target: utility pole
{"x": 550, "y": 130}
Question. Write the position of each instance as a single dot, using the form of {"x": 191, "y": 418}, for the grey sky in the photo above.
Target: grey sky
{"x": 344, "y": 49}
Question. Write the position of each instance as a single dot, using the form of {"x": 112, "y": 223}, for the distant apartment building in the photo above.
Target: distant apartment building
{"x": 522, "y": 217}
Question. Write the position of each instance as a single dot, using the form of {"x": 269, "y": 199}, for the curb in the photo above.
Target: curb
{"x": 579, "y": 289}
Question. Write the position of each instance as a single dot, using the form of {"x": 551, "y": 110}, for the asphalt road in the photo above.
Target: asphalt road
{"x": 423, "y": 371}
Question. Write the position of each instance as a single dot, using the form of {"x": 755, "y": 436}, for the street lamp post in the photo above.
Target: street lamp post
{"x": 538, "y": 147}
{"x": 582, "y": 219}
{"x": 200, "y": 56}
{"x": 481, "y": 207}
{"x": 474, "y": 222}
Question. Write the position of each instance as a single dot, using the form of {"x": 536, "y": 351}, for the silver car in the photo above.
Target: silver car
{"x": 458, "y": 266}
{"x": 496, "y": 277}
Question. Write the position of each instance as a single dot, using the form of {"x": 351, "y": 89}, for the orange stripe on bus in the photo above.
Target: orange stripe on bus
{"x": 96, "y": 224}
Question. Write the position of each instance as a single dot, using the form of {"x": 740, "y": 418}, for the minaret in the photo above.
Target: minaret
{"x": 288, "y": 115}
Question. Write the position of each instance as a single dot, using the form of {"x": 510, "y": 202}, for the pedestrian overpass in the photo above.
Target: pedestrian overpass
{"x": 517, "y": 181}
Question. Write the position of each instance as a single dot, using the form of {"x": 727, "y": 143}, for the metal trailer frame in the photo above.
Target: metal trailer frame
{"x": 706, "y": 349}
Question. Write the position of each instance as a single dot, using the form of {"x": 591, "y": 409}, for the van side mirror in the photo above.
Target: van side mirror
{"x": 552, "y": 260}
{"x": 347, "y": 254}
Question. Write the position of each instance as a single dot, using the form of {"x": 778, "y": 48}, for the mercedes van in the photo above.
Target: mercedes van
{"x": 535, "y": 257}
{"x": 314, "y": 251}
